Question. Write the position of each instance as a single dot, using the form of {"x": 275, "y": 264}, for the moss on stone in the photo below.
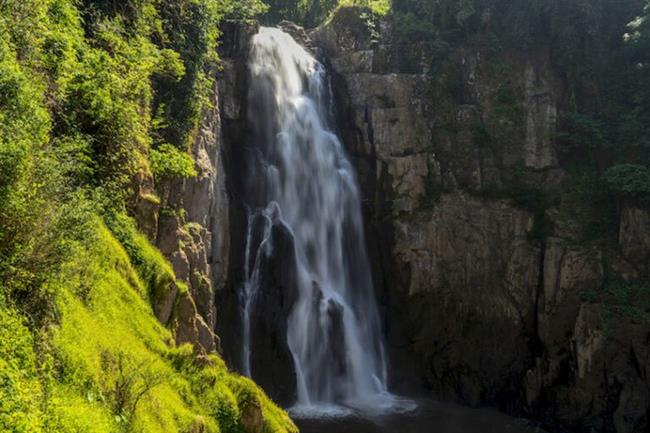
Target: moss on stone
{"x": 108, "y": 365}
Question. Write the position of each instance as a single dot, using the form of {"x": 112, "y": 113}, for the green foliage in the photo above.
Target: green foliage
{"x": 131, "y": 379}
{"x": 24, "y": 120}
{"x": 311, "y": 13}
{"x": 605, "y": 78}
{"x": 168, "y": 161}
{"x": 412, "y": 27}
{"x": 80, "y": 82}
{"x": 619, "y": 299}
{"x": 423, "y": 20}
{"x": 188, "y": 28}
{"x": 246, "y": 9}
{"x": 379, "y": 7}
{"x": 635, "y": 126}
{"x": 152, "y": 267}
{"x": 19, "y": 389}
{"x": 580, "y": 132}
{"x": 104, "y": 69}
{"x": 629, "y": 180}
{"x": 39, "y": 209}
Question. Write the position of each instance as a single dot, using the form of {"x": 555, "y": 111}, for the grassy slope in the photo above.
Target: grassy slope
{"x": 80, "y": 349}
{"x": 85, "y": 373}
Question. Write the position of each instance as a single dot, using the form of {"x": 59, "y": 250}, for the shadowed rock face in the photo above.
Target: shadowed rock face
{"x": 485, "y": 295}
{"x": 271, "y": 360}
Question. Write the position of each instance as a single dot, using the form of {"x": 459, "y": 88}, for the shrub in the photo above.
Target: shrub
{"x": 167, "y": 161}
{"x": 631, "y": 180}
{"x": 580, "y": 132}
{"x": 79, "y": 81}
{"x": 245, "y": 9}
{"x": 379, "y": 7}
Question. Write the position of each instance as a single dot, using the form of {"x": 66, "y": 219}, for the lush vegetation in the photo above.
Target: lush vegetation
{"x": 631, "y": 180}
{"x": 97, "y": 93}
{"x": 600, "y": 46}
{"x": 93, "y": 95}
{"x": 311, "y": 13}
{"x": 107, "y": 365}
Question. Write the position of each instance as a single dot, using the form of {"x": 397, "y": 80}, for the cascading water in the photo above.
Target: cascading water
{"x": 252, "y": 281}
{"x": 305, "y": 178}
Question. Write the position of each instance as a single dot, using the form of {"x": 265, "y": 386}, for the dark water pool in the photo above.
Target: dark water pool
{"x": 430, "y": 417}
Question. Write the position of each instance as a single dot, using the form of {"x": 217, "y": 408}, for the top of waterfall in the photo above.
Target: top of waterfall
{"x": 276, "y": 49}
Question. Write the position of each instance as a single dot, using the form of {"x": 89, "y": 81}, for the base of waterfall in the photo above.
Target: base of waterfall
{"x": 424, "y": 416}
{"x": 369, "y": 406}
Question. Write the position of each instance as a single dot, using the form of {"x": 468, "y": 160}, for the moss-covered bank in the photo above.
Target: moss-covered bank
{"x": 107, "y": 365}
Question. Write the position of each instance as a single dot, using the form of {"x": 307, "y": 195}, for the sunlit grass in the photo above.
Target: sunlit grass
{"x": 380, "y": 7}
{"x": 108, "y": 366}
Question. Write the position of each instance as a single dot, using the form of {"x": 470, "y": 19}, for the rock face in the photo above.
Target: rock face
{"x": 468, "y": 265}
{"x": 190, "y": 227}
{"x": 495, "y": 298}
{"x": 272, "y": 363}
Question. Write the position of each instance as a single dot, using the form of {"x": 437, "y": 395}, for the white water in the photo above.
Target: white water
{"x": 252, "y": 280}
{"x": 334, "y": 331}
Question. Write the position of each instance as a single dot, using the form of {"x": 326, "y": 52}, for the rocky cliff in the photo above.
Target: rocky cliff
{"x": 187, "y": 219}
{"x": 481, "y": 264}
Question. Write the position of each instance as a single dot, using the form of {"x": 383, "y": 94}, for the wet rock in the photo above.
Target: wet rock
{"x": 336, "y": 335}
{"x": 272, "y": 363}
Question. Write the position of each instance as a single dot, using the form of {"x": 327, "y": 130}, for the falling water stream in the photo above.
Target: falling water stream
{"x": 252, "y": 281}
{"x": 334, "y": 331}
{"x": 304, "y": 182}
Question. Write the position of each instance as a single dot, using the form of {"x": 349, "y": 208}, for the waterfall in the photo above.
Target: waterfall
{"x": 305, "y": 178}
{"x": 252, "y": 280}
